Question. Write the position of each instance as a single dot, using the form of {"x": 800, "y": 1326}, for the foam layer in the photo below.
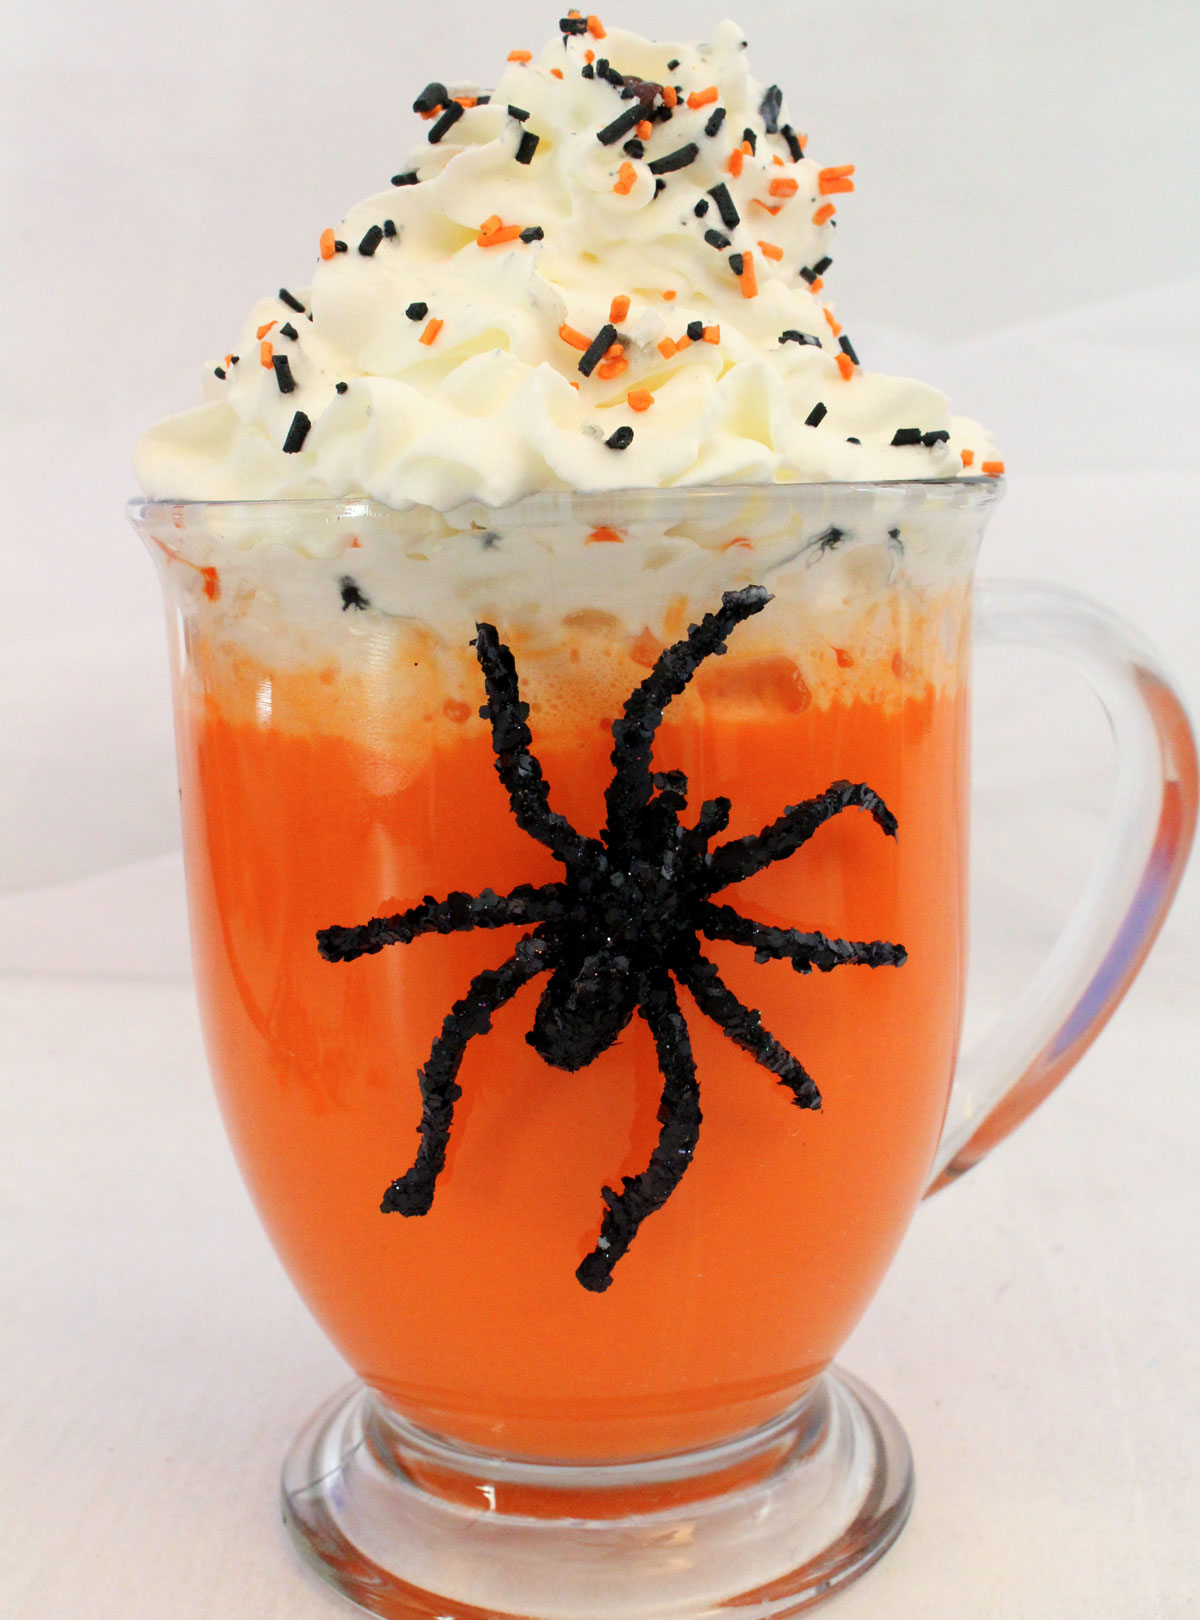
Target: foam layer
{"x": 460, "y": 341}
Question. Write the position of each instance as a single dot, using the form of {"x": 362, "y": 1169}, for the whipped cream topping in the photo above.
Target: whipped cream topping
{"x": 609, "y": 273}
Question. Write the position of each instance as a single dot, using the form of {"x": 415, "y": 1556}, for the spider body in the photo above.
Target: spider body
{"x": 620, "y": 928}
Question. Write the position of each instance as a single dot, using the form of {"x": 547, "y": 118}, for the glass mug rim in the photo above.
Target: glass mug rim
{"x": 548, "y": 506}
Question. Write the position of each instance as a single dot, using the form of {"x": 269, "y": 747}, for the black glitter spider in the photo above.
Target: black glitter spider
{"x": 621, "y": 924}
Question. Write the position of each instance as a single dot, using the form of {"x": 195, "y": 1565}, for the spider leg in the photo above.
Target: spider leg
{"x": 633, "y": 734}
{"x": 583, "y": 1009}
{"x": 517, "y": 767}
{"x": 679, "y": 1115}
{"x": 412, "y": 1193}
{"x": 742, "y": 857}
{"x": 457, "y": 913}
{"x": 804, "y": 951}
{"x": 713, "y": 819}
{"x": 744, "y": 1026}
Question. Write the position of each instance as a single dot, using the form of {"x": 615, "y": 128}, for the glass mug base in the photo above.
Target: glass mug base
{"x": 411, "y": 1527}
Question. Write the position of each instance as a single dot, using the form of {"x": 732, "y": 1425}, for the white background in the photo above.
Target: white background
{"x": 1025, "y": 234}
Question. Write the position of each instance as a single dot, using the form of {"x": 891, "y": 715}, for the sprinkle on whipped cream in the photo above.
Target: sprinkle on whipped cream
{"x": 554, "y": 262}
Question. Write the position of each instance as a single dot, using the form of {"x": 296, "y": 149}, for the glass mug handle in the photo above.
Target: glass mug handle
{"x": 1018, "y": 1062}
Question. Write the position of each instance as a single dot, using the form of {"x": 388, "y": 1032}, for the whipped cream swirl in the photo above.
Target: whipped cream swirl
{"x": 609, "y": 273}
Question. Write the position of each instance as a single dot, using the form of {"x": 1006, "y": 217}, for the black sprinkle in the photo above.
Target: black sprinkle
{"x": 701, "y": 208}
{"x": 434, "y": 95}
{"x": 483, "y": 101}
{"x": 634, "y": 149}
{"x": 715, "y": 119}
{"x": 285, "y": 297}
{"x": 587, "y": 71}
{"x": 907, "y": 436}
{"x": 518, "y": 113}
{"x": 853, "y": 441}
{"x": 769, "y": 108}
{"x": 751, "y": 140}
{"x": 339, "y": 247}
{"x": 409, "y": 179}
{"x": 219, "y": 371}
{"x": 527, "y": 147}
{"x": 352, "y": 596}
{"x": 822, "y": 265}
{"x": 679, "y": 159}
{"x": 717, "y": 240}
{"x": 662, "y": 114}
{"x": 340, "y": 388}
{"x": 845, "y": 345}
{"x": 817, "y": 415}
{"x": 660, "y": 185}
{"x": 614, "y": 78}
{"x": 446, "y": 122}
{"x": 532, "y": 233}
{"x": 371, "y": 240}
{"x": 792, "y": 336}
{"x": 296, "y": 434}
{"x": 695, "y": 330}
{"x": 389, "y": 227}
{"x": 808, "y": 275}
{"x": 671, "y": 66}
{"x": 729, "y": 214}
{"x": 288, "y": 330}
{"x": 621, "y": 125}
{"x": 793, "y": 142}
{"x": 602, "y": 68}
{"x": 621, "y": 439}
{"x": 417, "y": 312}
{"x": 573, "y": 25}
{"x": 283, "y": 373}
{"x": 940, "y": 436}
{"x": 737, "y": 263}
{"x": 234, "y": 358}
{"x": 598, "y": 348}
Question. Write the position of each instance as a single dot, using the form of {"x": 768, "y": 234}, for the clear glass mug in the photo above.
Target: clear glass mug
{"x": 578, "y": 1403}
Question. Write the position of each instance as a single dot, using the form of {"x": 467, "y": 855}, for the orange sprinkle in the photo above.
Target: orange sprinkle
{"x": 228, "y": 359}
{"x": 596, "y": 28}
{"x": 506, "y": 233}
{"x": 736, "y": 159}
{"x": 431, "y": 331}
{"x": 589, "y": 56}
{"x": 614, "y": 351}
{"x": 557, "y": 72}
{"x": 669, "y": 294}
{"x": 627, "y": 179}
{"x": 786, "y": 187}
{"x": 619, "y": 308}
{"x": 605, "y": 536}
{"x": 266, "y": 354}
{"x": 840, "y": 171}
{"x": 490, "y": 224}
{"x": 767, "y": 207}
{"x": 434, "y": 112}
{"x": 777, "y": 161}
{"x": 991, "y": 469}
{"x": 640, "y": 399}
{"x": 968, "y": 458}
{"x": 520, "y": 56}
{"x": 815, "y": 286}
{"x": 684, "y": 342}
{"x": 770, "y": 250}
{"x": 574, "y": 338}
{"x": 826, "y": 211}
{"x": 465, "y": 101}
{"x": 701, "y": 98}
{"x": 644, "y": 130}
{"x": 670, "y": 99}
{"x": 829, "y": 188}
{"x": 845, "y": 365}
{"x": 666, "y": 347}
{"x": 833, "y": 325}
{"x": 327, "y": 240}
{"x": 611, "y": 369}
{"x": 748, "y": 278}
{"x": 712, "y": 334}
{"x": 263, "y": 330}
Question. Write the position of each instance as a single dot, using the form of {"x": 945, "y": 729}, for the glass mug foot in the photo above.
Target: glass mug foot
{"x": 412, "y": 1528}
